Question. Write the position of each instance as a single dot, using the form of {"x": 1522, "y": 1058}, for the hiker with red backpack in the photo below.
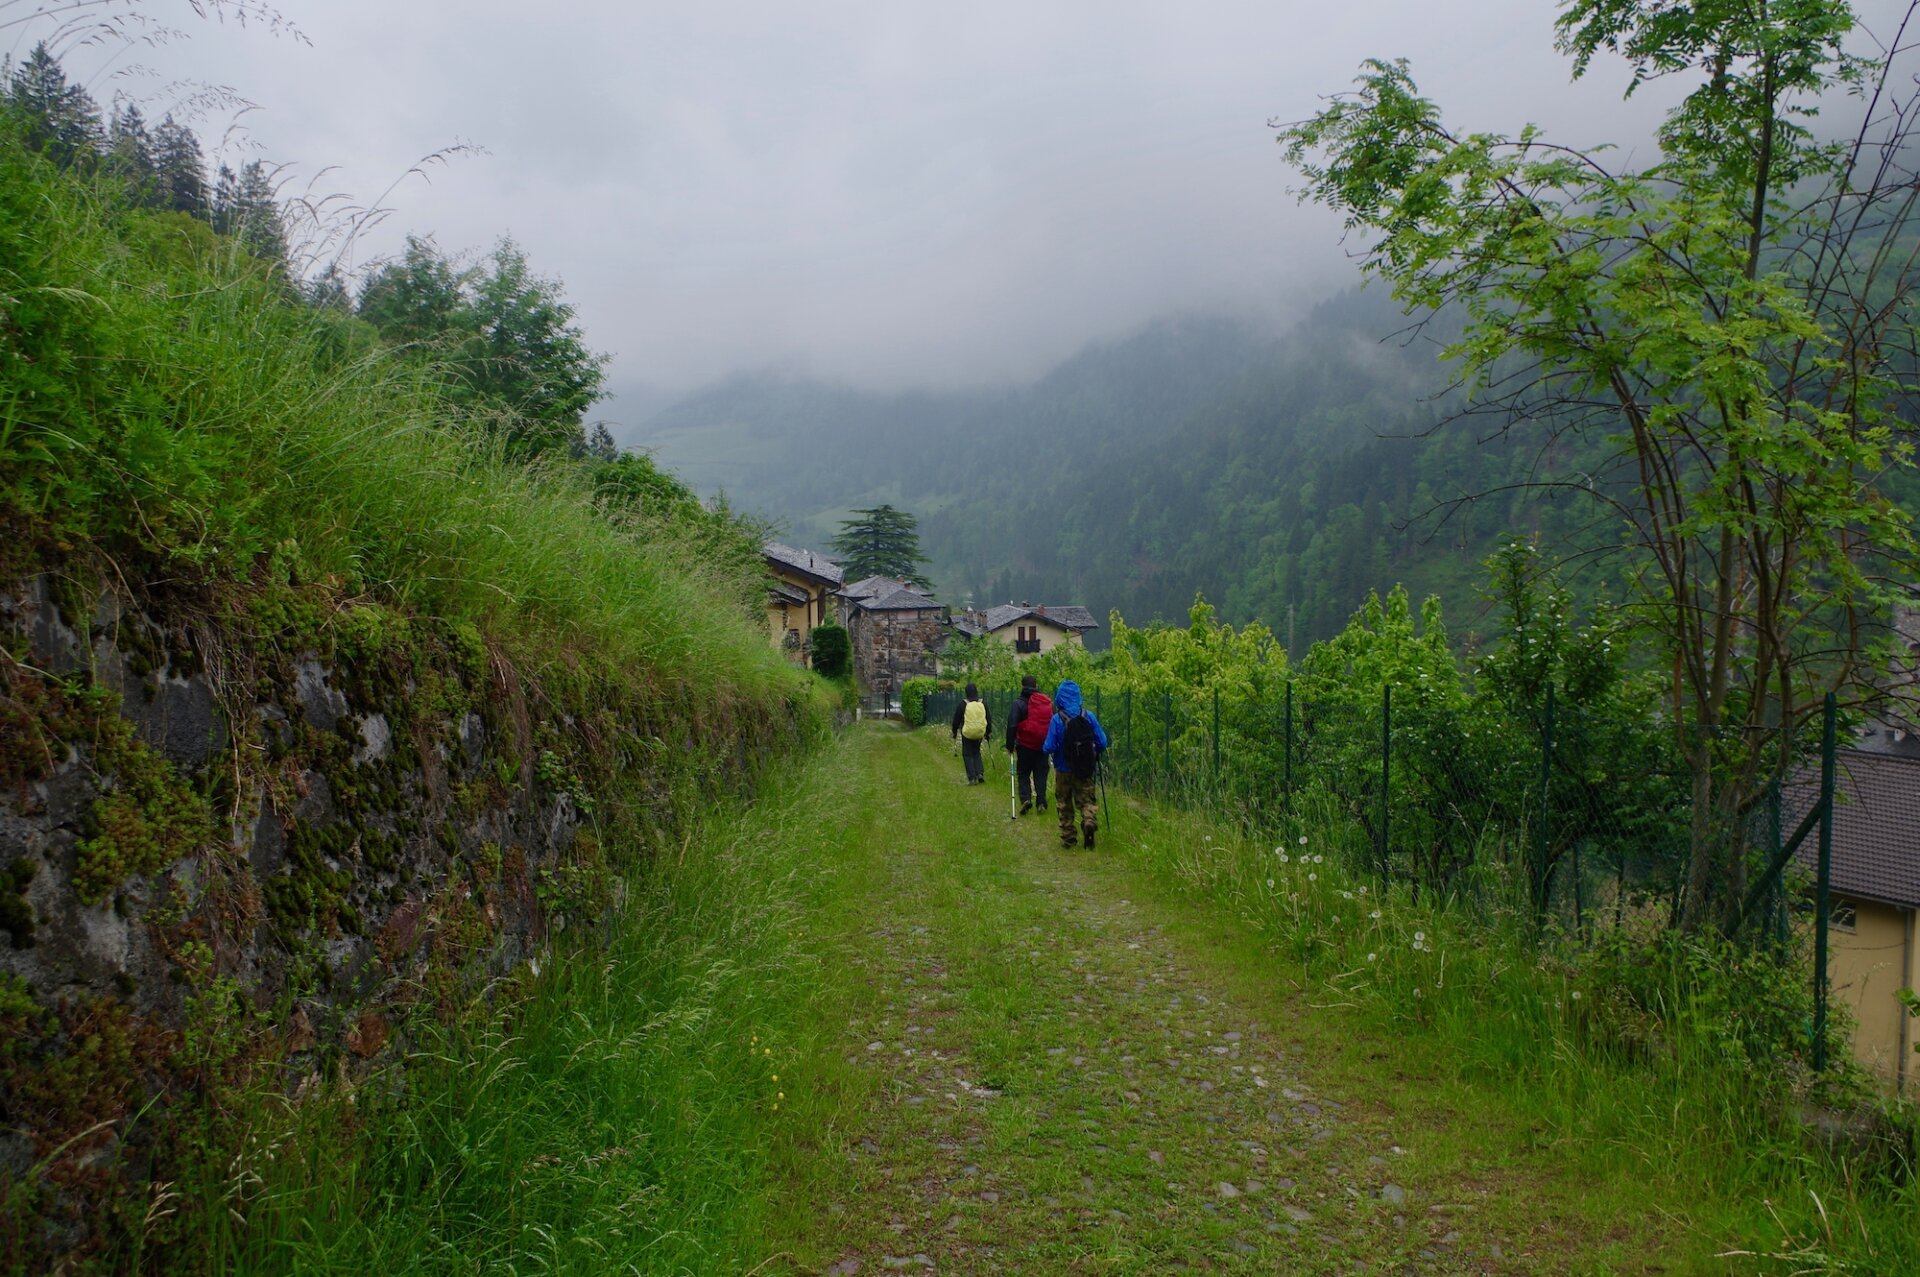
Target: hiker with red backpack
{"x": 1026, "y": 733}
{"x": 1075, "y": 740}
{"x": 972, "y": 724}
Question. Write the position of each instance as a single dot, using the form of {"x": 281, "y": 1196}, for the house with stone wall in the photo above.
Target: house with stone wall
{"x": 897, "y": 631}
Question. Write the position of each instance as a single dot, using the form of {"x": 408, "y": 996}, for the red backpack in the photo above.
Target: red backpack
{"x": 1032, "y": 732}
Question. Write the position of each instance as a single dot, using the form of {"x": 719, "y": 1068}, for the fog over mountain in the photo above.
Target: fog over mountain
{"x": 879, "y": 194}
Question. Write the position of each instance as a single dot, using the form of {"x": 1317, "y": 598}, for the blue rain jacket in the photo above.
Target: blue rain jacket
{"x": 1067, "y": 703}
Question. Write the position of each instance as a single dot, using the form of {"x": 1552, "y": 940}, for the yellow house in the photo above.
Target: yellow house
{"x": 1027, "y": 628}
{"x": 1873, "y": 952}
{"x": 797, "y": 595}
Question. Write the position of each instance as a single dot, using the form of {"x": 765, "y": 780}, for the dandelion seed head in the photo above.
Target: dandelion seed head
{"x": 1313, "y": 877}
{"x": 1303, "y": 840}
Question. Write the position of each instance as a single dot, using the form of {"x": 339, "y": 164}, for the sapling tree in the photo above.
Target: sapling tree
{"x": 1735, "y": 317}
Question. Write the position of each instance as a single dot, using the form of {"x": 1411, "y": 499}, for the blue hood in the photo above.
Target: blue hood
{"x": 1067, "y": 698}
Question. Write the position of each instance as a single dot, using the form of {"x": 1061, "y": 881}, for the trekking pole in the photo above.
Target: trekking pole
{"x": 1106, "y": 816}
{"x": 1013, "y": 793}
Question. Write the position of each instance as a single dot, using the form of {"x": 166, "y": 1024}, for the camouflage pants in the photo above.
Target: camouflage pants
{"x": 1078, "y": 799}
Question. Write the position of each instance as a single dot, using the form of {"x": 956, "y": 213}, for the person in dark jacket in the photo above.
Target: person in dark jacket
{"x": 972, "y": 725}
{"x": 1075, "y": 789}
{"x": 1024, "y": 739}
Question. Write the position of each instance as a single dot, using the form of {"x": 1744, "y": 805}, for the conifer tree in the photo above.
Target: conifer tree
{"x": 130, "y": 152}
{"x": 179, "y": 171}
{"x": 245, "y": 208}
{"x": 881, "y": 541}
{"x": 62, "y": 121}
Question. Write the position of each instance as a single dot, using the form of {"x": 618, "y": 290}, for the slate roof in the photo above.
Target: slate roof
{"x": 788, "y": 593}
{"x": 818, "y": 566}
{"x": 875, "y": 586}
{"x": 1876, "y": 825}
{"x": 1067, "y": 618}
{"x": 900, "y": 600}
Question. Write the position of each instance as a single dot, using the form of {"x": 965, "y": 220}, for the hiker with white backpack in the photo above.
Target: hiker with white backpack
{"x": 972, "y": 724}
{"x": 1075, "y": 741}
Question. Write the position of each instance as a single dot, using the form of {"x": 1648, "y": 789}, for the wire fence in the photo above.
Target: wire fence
{"x": 1587, "y": 820}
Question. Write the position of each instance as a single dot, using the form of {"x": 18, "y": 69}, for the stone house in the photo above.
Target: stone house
{"x": 897, "y": 631}
{"x": 799, "y": 593}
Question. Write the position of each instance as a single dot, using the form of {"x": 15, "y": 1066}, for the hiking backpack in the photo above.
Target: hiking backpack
{"x": 1032, "y": 732}
{"x": 974, "y": 726}
{"x": 1080, "y": 747}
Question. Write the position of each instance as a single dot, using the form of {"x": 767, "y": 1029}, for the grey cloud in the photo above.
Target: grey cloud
{"x": 883, "y": 192}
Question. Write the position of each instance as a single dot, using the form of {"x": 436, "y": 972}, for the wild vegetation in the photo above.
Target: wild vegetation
{"x": 229, "y": 474}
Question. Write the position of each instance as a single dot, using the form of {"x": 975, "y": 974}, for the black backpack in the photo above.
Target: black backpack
{"x": 1080, "y": 746}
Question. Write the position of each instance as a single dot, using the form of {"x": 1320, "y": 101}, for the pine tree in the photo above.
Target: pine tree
{"x": 129, "y": 153}
{"x": 180, "y": 174}
{"x": 245, "y": 208}
{"x": 62, "y": 121}
{"x": 882, "y": 541}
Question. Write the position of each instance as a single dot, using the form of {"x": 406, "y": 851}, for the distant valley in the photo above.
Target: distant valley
{"x": 1282, "y": 478}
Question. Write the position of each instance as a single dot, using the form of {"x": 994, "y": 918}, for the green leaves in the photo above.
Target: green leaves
{"x": 1737, "y": 316}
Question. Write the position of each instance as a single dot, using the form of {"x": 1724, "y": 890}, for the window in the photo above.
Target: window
{"x": 1841, "y": 915}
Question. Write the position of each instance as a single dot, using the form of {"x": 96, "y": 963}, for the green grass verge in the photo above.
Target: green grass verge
{"x": 628, "y": 1113}
{"x": 1677, "y": 1144}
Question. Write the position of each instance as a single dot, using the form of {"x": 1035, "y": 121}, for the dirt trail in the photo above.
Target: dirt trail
{"x": 1063, "y": 1088}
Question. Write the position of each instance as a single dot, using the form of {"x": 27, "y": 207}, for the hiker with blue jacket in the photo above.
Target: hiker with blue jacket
{"x": 972, "y": 724}
{"x": 1075, "y": 741}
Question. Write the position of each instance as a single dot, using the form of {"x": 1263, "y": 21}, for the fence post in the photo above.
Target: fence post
{"x": 1540, "y": 837}
{"x": 1823, "y": 896}
{"x": 1166, "y": 740}
{"x": 1774, "y": 834}
{"x": 1386, "y": 781}
{"x": 1287, "y": 748}
{"x": 1216, "y": 736}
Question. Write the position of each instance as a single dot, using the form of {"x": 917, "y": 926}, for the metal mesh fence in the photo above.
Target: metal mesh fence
{"x": 1585, "y": 820}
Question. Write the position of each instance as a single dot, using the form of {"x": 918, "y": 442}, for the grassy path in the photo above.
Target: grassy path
{"x": 1040, "y": 1061}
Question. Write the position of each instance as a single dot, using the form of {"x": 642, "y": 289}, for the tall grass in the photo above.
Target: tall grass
{"x": 164, "y": 396}
{"x": 1649, "y": 1067}
{"x": 620, "y": 1117}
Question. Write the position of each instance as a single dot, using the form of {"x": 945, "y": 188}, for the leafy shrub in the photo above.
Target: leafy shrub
{"x": 913, "y": 699}
{"x": 832, "y": 650}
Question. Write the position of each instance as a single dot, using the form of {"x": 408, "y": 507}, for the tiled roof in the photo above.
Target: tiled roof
{"x": 1876, "y": 825}
{"x": 901, "y": 600}
{"x": 873, "y": 586}
{"x": 1066, "y": 617}
{"x": 788, "y": 593}
{"x": 816, "y": 565}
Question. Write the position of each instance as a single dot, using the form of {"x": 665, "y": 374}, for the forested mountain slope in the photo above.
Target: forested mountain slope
{"x": 1199, "y": 455}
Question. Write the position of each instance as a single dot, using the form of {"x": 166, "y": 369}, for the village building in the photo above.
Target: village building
{"x": 1027, "y": 628}
{"x": 897, "y": 631}
{"x": 1873, "y": 951}
{"x": 799, "y": 595}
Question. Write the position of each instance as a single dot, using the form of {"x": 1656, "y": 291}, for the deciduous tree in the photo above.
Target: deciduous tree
{"x": 1736, "y": 315}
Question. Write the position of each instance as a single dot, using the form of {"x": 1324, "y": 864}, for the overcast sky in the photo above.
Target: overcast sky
{"x": 889, "y": 193}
